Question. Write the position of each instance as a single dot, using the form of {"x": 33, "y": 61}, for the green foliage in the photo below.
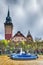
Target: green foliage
{"x": 8, "y": 44}
{"x": 4, "y": 42}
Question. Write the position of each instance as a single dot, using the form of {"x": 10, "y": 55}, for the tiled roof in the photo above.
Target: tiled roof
{"x": 19, "y": 34}
{"x": 29, "y": 34}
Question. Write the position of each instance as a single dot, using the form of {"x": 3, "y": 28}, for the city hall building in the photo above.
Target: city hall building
{"x": 18, "y": 37}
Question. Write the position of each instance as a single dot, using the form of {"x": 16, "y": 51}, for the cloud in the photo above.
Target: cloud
{"x": 11, "y": 1}
{"x": 26, "y": 15}
{"x": 14, "y": 2}
{"x": 1, "y": 37}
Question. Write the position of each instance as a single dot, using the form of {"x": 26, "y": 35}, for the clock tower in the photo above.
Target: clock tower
{"x": 8, "y": 25}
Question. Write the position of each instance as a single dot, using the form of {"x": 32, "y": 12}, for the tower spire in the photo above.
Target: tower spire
{"x": 8, "y": 18}
{"x": 29, "y": 32}
{"x": 29, "y": 36}
{"x": 8, "y": 13}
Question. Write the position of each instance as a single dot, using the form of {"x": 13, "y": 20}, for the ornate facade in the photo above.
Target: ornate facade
{"x": 18, "y": 37}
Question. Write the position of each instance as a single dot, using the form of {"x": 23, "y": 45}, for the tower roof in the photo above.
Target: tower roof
{"x": 8, "y": 19}
{"x": 8, "y": 15}
{"x": 29, "y": 34}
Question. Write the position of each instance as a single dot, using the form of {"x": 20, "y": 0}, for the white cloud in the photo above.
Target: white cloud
{"x": 1, "y": 37}
{"x": 26, "y": 14}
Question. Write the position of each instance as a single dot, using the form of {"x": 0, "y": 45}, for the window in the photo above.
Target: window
{"x": 15, "y": 38}
{"x": 22, "y": 38}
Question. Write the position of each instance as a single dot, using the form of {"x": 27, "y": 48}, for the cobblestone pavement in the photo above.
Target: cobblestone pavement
{"x": 4, "y": 60}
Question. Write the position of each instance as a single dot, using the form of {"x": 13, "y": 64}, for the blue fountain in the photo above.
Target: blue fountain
{"x": 23, "y": 56}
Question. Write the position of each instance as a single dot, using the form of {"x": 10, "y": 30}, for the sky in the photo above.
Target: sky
{"x": 27, "y": 15}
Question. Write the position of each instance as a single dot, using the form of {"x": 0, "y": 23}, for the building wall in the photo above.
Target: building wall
{"x": 8, "y": 29}
{"x": 16, "y": 39}
{"x": 8, "y": 32}
{"x": 29, "y": 39}
{"x": 8, "y": 36}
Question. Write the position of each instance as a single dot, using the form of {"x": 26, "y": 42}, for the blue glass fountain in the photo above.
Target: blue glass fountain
{"x": 23, "y": 56}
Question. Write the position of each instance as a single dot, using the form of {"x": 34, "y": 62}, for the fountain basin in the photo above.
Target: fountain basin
{"x": 24, "y": 56}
